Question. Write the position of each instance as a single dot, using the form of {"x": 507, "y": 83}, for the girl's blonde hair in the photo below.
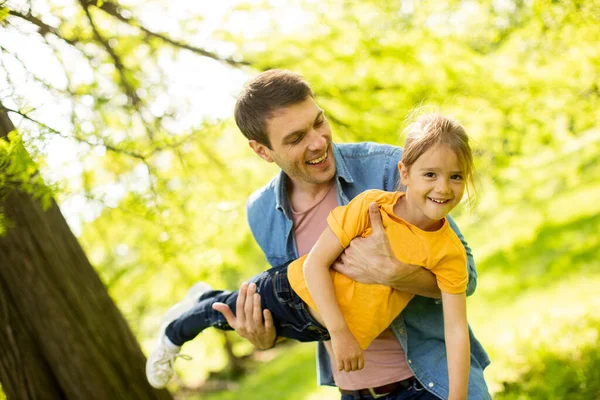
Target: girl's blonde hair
{"x": 429, "y": 130}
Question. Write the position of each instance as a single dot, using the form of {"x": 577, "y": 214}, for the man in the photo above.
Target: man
{"x": 279, "y": 116}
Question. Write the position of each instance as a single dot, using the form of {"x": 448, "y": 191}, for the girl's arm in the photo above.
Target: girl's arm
{"x": 457, "y": 343}
{"x": 348, "y": 354}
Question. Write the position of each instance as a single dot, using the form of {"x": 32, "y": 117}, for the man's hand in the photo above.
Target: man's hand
{"x": 372, "y": 260}
{"x": 364, "y": 260}
{"x": 249, "y": 322}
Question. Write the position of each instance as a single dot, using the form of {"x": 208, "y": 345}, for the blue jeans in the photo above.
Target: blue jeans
{"x": 290, "y": 313}
{"x": 415, "y": 392}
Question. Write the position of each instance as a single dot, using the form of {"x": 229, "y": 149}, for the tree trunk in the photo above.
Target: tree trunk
{"x": 61, "y": 335}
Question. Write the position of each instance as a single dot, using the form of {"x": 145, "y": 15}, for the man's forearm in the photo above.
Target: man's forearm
{"x": 413, "y": 279}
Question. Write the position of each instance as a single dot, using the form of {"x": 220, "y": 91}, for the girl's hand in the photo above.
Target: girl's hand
{"x": 348, "y": 354}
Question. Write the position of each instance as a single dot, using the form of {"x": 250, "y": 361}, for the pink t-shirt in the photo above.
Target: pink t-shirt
{"x": 309, "y": 224}
{"x": 385, "y": 361}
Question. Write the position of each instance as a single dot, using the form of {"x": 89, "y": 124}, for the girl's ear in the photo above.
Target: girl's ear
{"x": 403, "y": 173}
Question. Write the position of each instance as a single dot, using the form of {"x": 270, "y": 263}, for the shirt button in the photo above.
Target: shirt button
{"x": 410, "y": 361}
{"x": 430, "y": 384}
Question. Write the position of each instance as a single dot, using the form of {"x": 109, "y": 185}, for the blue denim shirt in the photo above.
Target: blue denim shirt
{"x": 420, "y": 327}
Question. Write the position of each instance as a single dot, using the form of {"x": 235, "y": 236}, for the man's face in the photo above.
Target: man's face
{"x": 300, "y": 143}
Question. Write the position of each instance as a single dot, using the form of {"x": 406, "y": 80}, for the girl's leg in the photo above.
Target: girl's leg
{"x": 291, "y": 315}
{"x": 200, "y": 317}
{"x": 189, "y": 317}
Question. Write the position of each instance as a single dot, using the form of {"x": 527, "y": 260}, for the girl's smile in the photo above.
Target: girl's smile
{"x": 439, "y": 201}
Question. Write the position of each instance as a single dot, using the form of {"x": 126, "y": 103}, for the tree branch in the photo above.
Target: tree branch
{"x": 43, "y": 28}
{"x": 114, "y": 149}
{"x": 115, "y": 11}
{"x": 78, "y": 138}
{"x": 129, "y": 90}
{"x": 32, "y": 75}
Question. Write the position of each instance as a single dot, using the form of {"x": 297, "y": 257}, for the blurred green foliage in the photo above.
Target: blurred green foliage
{"x": 17, "y": 169}
{"x": 555, "y": 375}
{"x": 523, "y": 76}
{"x": 288, "y": 376}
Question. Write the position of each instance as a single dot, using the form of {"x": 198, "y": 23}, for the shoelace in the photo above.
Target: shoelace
{"x": 164, "y": 364}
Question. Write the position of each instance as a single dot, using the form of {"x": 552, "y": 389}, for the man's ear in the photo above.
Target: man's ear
{"x": 261, "y": 150}
{"x": 403, "y": 173}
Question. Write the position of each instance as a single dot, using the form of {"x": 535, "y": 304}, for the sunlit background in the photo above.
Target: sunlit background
{"x": 127, "y": 110}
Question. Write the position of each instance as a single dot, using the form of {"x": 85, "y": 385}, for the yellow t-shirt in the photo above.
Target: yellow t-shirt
{"x": 370, "y": 309}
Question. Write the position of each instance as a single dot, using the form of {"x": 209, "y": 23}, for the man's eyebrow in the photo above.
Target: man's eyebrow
{"x": 301, "y": 131}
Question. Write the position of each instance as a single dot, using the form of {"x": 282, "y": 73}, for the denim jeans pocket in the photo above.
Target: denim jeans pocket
{"x": 283, "y": 290}
{"x": 297, "y": 317}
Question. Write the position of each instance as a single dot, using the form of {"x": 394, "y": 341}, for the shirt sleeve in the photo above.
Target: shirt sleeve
{"x": 351, "y": 220}
{"x": 472, "y": 271}
{"x": 451, "y": 270}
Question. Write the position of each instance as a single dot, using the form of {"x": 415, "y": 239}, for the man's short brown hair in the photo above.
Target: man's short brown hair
{"x": 263, "y": 96}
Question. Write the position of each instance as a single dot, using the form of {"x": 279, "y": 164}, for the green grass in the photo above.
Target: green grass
{"x": 289, "y": 376}
{"x": 552, "y": 375}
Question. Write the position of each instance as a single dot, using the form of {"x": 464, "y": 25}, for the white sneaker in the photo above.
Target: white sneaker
{"x": 159, "y": 366}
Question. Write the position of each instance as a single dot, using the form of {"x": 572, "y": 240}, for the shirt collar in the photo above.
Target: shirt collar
{"x": 281, "y": 181}
{"x": 341, "y": 170}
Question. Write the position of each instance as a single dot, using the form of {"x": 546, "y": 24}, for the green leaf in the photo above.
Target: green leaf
{"x": 4, "y": 11}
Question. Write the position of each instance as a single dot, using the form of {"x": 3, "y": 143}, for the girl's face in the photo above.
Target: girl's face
{"x": 435, "y": 185}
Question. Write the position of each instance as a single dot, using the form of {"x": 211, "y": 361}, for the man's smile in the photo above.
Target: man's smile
{"x": 318, "y": 160}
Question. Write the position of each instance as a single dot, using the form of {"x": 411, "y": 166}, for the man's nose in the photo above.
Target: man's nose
{"x": 317, "y": 141}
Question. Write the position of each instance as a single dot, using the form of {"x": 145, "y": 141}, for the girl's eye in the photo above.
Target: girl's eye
{"x": 457, "y": 177}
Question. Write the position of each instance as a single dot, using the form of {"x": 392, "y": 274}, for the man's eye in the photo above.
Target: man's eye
{"x": 296, "y": 140}
{"x": 319, "y": 123}
{"x": 429, "y": 175}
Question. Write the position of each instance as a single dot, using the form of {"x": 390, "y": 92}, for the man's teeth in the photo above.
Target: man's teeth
{"x": 318, "y": 160}
{"x": 438, "y": 201}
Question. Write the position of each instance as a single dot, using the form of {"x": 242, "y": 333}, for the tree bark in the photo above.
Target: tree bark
{"x": 61, "y": 335}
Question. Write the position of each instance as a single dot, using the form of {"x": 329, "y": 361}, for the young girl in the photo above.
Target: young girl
{"x": 311, "y": 302}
